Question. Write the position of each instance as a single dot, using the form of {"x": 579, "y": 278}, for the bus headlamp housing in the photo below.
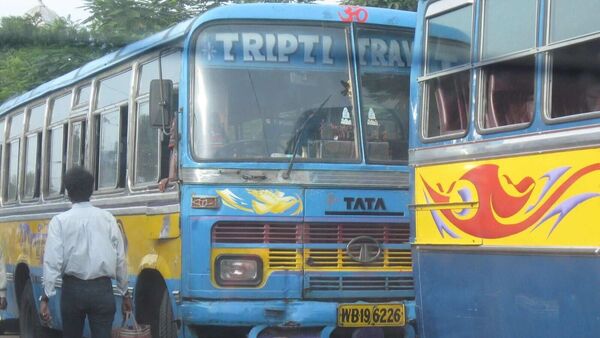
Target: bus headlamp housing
{"x": 237, "y": 270}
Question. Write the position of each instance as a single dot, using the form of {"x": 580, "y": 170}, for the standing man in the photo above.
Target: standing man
{"x": 2, "y": 281}
{"x": 85, "y": 247}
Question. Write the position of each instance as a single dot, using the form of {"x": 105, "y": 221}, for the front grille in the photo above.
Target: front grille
{"x": 318, "y": 233}
{"x": 343, "y": 233}
{"x": 256, "y": 233}
{"x": 282, "y": 259}
{"x": 347, "y": 283}
{"x": 398, "y": 259}
{"x": 318, "y": 252}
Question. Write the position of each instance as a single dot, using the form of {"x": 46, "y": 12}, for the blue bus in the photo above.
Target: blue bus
{"x": 282, "y": 133}
{"x": 506, "y": 166}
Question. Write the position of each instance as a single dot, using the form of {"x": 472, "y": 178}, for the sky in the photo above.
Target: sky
{"x": 61, "y": 7}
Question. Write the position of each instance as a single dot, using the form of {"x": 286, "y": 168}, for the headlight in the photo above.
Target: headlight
{"x": 238, "y": 270}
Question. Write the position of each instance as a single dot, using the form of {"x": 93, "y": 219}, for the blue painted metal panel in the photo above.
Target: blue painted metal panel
{"x": 196, "y": 234}
{"x": 273, "y": 313}
{"x": 362, "y": 206}
{"x": 12, "y": 309}
{"x": 504, "y": 295}
{"x": 196, "y": 281}
{"x": 246, "y": 201}
{"x": 382, "y": 295}
{"x": 197, "y": 225}
{"x": 415, "y": 72}
{"x": 279, "y": 285}
{"x": 331, "y": 13}
{"x": 357, "y": 203}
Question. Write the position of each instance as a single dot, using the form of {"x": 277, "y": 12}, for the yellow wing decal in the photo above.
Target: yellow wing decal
{"x": 263, "y": 202}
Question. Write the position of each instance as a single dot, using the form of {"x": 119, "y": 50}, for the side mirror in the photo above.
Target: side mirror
{"x": 161, "y": 94}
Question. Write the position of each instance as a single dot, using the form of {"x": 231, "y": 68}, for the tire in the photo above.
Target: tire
{"x": 29, "y": 319}
{"x": 163, "y": 324}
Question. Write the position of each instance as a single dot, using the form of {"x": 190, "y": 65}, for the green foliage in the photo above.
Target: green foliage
{"x": 115, "y": 23}
{"x": 118, "y": 22}
{"x": 24, "y": 68}
{"x": 32, "y": 53}
{"x": 409, "y": 5}
{"x": 28, "y": 31}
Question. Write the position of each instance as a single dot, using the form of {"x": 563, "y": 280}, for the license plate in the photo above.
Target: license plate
{"x": 363, "y": 315}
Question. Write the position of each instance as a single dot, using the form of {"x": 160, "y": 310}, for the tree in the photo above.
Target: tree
{"x": 32, "y": 53}
{"x": 118, "y": 22}
{"x": 409, "y": 5}
{"x": 115, "y": 23}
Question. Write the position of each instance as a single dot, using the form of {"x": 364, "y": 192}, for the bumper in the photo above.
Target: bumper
{"x": 269, "y": 313}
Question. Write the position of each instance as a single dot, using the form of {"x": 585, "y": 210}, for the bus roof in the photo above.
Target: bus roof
{"x": 333, "y": 13}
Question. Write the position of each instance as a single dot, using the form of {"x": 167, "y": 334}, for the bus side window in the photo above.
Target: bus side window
{"x": 509, "y": 92}
{"x": 111, "y": 148}
{"x": 12, "y": 164}
{"x": 77, "y": 154}
{"x": 124, "y": 117}
{"x": 31, "y": 188}
{"x": 110, "y": 123}
{"x": 56, "y": 159}
{"x": 448, "y": 104}
{"x": 33, "y": 145}
{"x": 446, "y": 101}
{"x": 152, "y": 155}
{"x": 575, "y": 74}
{"x": 575, "y": 79}
{"x": 57, "y": 144}
{"x": 508, "y": 85}
{"x": 13, "y": 146}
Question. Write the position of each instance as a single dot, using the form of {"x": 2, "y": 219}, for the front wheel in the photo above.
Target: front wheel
{"x": 29, "y": 319}
{"x": 163, "y": 324}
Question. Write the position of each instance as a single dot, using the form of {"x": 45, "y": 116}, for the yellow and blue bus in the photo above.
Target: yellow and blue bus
{"x": 289, "y": 216}
{"x": 506, "y": 168}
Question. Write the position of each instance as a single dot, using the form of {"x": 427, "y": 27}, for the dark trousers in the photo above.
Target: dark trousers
{"x": 92, "y": 298}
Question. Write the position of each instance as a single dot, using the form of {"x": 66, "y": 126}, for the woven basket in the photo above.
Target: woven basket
{"x": 129, "y": 331}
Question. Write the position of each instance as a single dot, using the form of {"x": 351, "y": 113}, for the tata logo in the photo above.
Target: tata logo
{"x": 364, "y": 249}
{"x": 367, "y": 203}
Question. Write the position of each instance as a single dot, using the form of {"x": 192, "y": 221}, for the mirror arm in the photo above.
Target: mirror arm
{"x": 163, "y": 102}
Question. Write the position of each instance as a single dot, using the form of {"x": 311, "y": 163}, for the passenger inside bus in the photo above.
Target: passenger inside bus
{"x": 510, "y": 90}
{"x": 591, "y": 94}
{"x": 575, "y": 79}
{"x": 448, "y": 104}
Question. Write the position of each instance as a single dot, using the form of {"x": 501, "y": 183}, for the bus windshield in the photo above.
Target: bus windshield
{"x": 258, "y": 89}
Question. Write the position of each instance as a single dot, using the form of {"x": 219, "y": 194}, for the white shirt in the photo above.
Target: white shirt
{"x": 84, "y": 242}
{"x": 2, "y": 275}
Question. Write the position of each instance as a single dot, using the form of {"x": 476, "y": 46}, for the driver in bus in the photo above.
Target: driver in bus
{"x": 217, "y": 133}
{"x": 173, "y": 138}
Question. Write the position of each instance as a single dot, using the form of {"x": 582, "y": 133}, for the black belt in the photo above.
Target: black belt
{"x": 67, "y": 277}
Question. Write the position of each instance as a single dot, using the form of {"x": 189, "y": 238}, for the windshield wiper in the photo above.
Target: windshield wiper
{"x": 299, "y": 133}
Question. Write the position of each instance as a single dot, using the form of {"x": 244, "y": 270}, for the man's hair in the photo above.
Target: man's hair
{"x": 79, "y": 184}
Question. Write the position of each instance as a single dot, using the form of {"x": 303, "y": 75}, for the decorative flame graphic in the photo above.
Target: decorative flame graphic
{"x": 492, "y": 219}
{"x": 264, "y": 202}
